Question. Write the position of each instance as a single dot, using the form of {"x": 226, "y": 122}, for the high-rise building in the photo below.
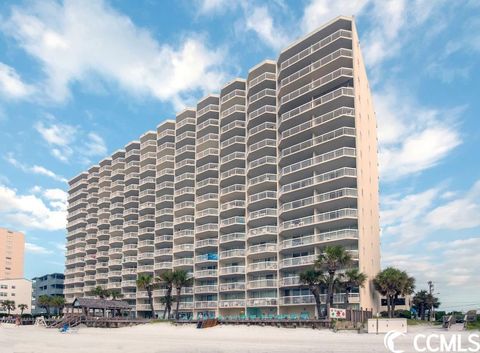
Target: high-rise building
{"x": 50, "y": 285}
{"x": 12, "y": 247}
{"x": 243, "y": 191}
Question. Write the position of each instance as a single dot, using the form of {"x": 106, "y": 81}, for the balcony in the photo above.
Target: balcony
{"x": 262, "y": 266}
{"x": 319, "y": 179}
{"x": 183, "y": 262}
{"x": 259, "y": 302}
{"x": 235, "y": 93}
{"x": 211, "y": 257}
{"x": 266, "y": 109}
{"x": 232, "y": 287}
{"x": 298, "y": 261}
{"x": 262, "y": 283}
{"x": 231, "y": 303}
{"x": 296, "y": 112}
{"x": 212, "y": 242}
{"x": 340, "y": 53}
{"x": 318, "y": 199}
{"x": 206, "y": 304}
{"x": 165, "y": 265}
{"x": 208, "y": 108}
{"x": 315, "y": 161}
{"x": 265, "y": 230}
{"x": 346, "y": 213}
{"x": 163, "y": 252}
{"x": 315, "y": 47}
{"x": 231, "y": 270}
{"x": 232, "y": 237}
{"x": 262, "y": 248}
{"x": 184, "y": 248}
{"x": 319, "y": 238}
{"x": 318, "y": 141}
{"x": 205, "y": 273}
{"x": 260, "y": 78}
{"x": 205, "y": 289}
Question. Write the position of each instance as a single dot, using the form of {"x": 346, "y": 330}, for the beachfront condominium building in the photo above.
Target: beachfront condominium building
{"x": 12, "y": 247}
{"x": 243, "y": 191}
{"x": 50, "y": 285}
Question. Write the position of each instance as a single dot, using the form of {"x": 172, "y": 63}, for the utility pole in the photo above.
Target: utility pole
{"x": 430, "y": 291}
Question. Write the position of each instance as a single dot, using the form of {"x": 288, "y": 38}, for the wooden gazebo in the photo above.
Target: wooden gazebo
{"x": 94, "y": 307}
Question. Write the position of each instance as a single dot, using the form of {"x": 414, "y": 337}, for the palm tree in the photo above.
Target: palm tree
{"x": 99, "y": 292}
{"x": 114, "y": 294}
{"x": 330, "y": 261}
{"x": 22, "y": 308}
{"x": 393, "y": 283}
{"x": 181, "y": 279}
{"x": 314, "y": 280}
{"x": 57, "y": 302}
{"x": 352, "y": 278}
{"x": 168, "y": 278}
{"x": 145, "y": 282}
{"x": 8, "y": 305}
{"x": 44, "y": 301}
{"x": 423, "y": 301}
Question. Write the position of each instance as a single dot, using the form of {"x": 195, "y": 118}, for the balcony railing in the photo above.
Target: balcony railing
{"x": 322, "y": 178}
{"x": 315, "y": 47}
{"x": 338, "y": 153}
{"x": 320, "y": 218}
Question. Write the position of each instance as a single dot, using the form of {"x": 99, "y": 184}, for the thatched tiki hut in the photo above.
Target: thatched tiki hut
{"x": 97, "y": 307}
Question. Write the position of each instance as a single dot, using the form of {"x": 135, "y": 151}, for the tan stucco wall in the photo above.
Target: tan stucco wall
{"x": 12, "y": 246}
{"x": 367, "y": 173}
{"x": 19, "y": 290}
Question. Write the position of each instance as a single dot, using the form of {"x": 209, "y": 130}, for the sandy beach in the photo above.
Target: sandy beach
{"x": 153, "y": 338}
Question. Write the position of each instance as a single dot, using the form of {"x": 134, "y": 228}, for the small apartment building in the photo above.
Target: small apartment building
{"x": 18, "y": 290}
{"x": 50, "y": 285}
{"x": 12, "y": 246}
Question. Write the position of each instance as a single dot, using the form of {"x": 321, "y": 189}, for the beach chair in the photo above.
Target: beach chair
{"x": 293, "y": 317}
{"x": 304, "y": 316}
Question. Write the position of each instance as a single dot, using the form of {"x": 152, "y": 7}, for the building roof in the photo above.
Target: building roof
{"x": 100, "y": 303}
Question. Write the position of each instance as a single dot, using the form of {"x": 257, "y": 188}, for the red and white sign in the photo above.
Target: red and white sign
{"x": 338, "y": 313}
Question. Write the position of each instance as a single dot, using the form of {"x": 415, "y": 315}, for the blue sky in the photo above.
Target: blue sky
{"x": 79, "y": 80}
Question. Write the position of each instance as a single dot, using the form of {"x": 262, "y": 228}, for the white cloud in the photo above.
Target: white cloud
{"x": 95, "y": 145}
{"x": 30, "y": 211}
{"x": 56, "y": 134}
{"x": 449, "y": 264}
{"x": 208, "y": 6}
{"x": 460, "y": 213}
{"x": 78, "y": 42}
{"x": 36, "y": 249}
{"x": 35, "y": 169}
{"x": 412, "y": 217}
{"x": 62, "y": 139}
{"x": 319, "y": 12}
{"x": 405, "y": 128}
{"x": 259, "y": 20}
{"x": 11, "y": 85}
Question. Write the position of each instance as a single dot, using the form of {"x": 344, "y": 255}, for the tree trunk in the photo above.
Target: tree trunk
{"x": 388, "y": 306}
{"x": 150, "y": 299}
{"x": 347, "y": 292}
{"x": 168, "y": 302}
{"x": 329, "y": 295}
{"x": 318, "y": 302}
{"x": 393, "y": 306}
{"x": 178, "y": 302}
